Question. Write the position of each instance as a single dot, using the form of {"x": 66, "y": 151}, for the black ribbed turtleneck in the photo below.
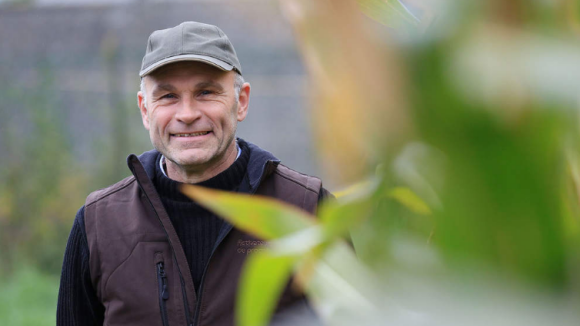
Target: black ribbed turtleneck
{"x": 196, "y": 227}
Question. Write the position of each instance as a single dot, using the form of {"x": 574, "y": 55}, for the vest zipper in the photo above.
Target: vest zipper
{"x": 200, "y": 292}
{"x": 145, "y": 183}
{"x": 163, "y": 292}
{"x": 220, "y": 239}
{"x": 140, "y": 175}
{"x": 185, "y": 303}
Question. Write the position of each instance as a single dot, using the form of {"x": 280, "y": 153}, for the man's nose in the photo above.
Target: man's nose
{"x": 188, "y": 111}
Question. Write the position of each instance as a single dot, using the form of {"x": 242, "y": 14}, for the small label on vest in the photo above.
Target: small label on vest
{"x": 246, "y": 247}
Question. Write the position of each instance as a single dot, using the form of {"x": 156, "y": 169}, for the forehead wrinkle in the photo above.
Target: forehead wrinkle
{"x": 163, "y": 87}
{"x": 168, "y": 87}
{"x": 163, "y": 80}
{"x": 209, "y": 83}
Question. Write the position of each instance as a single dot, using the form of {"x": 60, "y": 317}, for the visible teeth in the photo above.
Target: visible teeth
{"x": 192, "y": 134}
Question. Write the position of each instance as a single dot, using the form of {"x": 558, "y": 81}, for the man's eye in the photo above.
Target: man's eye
{"x": 205, "y": 92}
{"x": 168, "y": 96}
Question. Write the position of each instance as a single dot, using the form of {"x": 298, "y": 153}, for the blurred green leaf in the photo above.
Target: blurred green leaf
{"x": 571, "y": 198}
{"x": 388, "y": 12}
{"x": 299, "y": 242}
{"x": 263, "y": 278}
{"x": 422, "y": 169}
{"x": 501, "y": 195}
{"x": 410, "y": 200}
{"x": 351, "y": 206}
{"x": 338, "y": 218}
{"x": 342, "y": 287}
{"x": 356, "y": 190}
{"x": 263, "y": 217}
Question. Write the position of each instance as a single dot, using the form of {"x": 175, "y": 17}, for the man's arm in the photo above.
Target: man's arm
{"x": 324, "y": 195}
{"x": 77, "y": 301}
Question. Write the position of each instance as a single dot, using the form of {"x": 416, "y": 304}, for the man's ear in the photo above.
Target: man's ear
{"x": 243, "y": 101}
{"x": 143, "y": 109}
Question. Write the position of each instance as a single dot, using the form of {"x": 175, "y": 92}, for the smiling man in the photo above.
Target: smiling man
{"x": 191, "y": 110}
{"x": 140, "y": 252}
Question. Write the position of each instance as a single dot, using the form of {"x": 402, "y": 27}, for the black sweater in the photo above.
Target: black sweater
{"x": 196, "y": 227}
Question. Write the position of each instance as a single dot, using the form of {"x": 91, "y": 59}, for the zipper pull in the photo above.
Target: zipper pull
{"x": 164, "y": 290}
{"x": 165, "y": 293}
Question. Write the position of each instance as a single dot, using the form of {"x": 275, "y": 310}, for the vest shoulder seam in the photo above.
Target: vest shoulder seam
{"x": 287, "y": 172}
{"x": 105, "y": 192}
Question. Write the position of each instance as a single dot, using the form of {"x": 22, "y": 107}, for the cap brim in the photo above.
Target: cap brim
{"x": 187, "y": 57}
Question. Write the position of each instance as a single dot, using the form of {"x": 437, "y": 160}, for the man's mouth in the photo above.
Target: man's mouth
{"x": 193, "y": 134}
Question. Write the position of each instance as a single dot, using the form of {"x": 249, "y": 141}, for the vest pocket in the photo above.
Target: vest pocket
{"x": 162, "y": 287}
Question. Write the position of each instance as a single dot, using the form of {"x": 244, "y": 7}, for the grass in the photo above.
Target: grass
{"x": 28, "y": 297}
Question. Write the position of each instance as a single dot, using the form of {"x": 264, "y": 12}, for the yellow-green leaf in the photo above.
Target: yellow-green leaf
{"x": 298, "y": 243}
{"x": 410, "y": 200}
{"x": 355, "y": 189}
{"x": 351, "y": 207}
{"x": 263, "y": 278}
{"x": 338, "y": 218}
{"x": 263, "y": 217}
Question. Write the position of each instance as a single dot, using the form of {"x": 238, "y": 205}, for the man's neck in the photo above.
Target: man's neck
{"x": 200, "y": 174}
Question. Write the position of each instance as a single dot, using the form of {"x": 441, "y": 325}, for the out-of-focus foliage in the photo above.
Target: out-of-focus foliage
{"x": 35, "y": 193}
{"x": 341, "y": 81}
{"x": 465, "y": 128}
{"x": 42, "y": 185}
{"x": 43, "y": 181}
{"x": 27, "y": 297}
{"x": 389, "y": 12}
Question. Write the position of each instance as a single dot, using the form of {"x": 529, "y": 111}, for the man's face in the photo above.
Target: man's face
{"x": 192, "y": 113}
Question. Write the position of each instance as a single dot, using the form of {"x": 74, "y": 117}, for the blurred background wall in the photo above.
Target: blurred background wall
{"x": 85, "y": 60}
{"x": 69, "y": 118}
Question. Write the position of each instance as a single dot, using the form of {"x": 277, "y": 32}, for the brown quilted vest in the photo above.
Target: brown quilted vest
{"x": 137, "y": 264}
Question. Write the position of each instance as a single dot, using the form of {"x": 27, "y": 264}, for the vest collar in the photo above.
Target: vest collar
{"x": 261, "y": 164}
